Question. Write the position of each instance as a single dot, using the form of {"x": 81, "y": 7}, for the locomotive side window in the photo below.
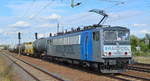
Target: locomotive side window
{"x": 110, "y": 35}
{"x": 67, "y": 40}
{"x": 96, "y": 36}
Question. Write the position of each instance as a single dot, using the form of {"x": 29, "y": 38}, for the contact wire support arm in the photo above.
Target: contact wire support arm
{"x": 100, "y": 12}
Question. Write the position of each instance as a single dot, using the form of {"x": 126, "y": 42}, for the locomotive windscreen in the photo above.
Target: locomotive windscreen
{"x": 116, "y": 35}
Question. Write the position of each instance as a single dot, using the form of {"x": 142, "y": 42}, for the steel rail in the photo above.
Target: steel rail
{"x": 136, "y": 77}
{"x": 143, "y": 64}
{"x": 141, "y": 69}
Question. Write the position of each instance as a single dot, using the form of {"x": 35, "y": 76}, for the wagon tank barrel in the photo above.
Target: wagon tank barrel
{"x": 40, "y": 44}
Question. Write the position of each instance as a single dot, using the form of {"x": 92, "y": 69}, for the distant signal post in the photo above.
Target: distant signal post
{"x": 19, "y": 45}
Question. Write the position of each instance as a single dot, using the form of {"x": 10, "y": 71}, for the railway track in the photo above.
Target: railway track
{"x": 141, "y": 69}
{"x": 120, "y": 76}
{"x": 142, "y": 64}
{"x": 127, "y": 77}
{"x": 133, "y": 77}
{"x": 38, "y": 73}
{"x": 135, "y": 67}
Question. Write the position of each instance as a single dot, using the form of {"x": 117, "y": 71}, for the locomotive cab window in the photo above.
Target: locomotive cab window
{"x": 96, "y": 35}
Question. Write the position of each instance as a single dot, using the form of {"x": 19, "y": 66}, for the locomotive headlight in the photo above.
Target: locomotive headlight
{"x": 109, "y": 53}
{"x": 126, "y": 53}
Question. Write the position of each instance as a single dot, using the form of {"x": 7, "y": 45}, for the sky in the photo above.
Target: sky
{"x": 42, "y": 16}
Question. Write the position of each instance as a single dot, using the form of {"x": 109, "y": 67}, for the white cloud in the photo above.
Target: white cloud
{"x": 21, "y": 24}
{"x": 124, "y": 15}
{"x": 145, "y": 31}
{"x": 80, "y": 19}
{"x": 1, "y": 31}
{"x": 47, "y": 25}
{"x": 10, "y": 33}
{"x": 52, "y": 17}
{"x": 139, "y": 25}
{"x": 41, "y": 35}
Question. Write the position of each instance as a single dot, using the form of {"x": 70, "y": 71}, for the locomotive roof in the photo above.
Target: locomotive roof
{"x": 104, "y": 27}
{"x": 116, "y": 28}
{"x": 69, "y": 33}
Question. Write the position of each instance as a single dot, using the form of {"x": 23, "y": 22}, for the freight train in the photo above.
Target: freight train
{"x": 107, "y": 48}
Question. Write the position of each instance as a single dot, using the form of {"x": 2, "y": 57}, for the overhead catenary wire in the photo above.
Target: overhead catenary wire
{"x": 107, "y": 8}
{"x": 43, "y": 8}
{"x": 112, "y": 1}
{"x": 37, "y": 14}
{"x": 29, "y": 8}
{"x": 115, "y": 3}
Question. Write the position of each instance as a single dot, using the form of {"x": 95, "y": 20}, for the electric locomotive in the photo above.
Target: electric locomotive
{"x": 106, "y": 47}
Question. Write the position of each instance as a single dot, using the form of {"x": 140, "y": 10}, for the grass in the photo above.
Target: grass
{"x": 140, "y": 53}
{"x": 142, "y": 59}
{"x": 5, "y": 70}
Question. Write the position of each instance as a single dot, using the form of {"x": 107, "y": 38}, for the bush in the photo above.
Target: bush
{"x": 135, "y": 41}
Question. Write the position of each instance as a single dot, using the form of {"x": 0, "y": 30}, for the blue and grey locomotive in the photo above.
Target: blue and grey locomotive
{"x": 108, "y": 48}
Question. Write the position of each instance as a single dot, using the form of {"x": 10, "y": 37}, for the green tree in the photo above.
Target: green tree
{"x": 144, "y": 47}
{"x": 134, "y": 42}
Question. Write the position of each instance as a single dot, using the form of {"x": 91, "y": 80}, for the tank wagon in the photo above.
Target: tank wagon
{"x": 107, "y": 48}
{"x": 40, "y": 47}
